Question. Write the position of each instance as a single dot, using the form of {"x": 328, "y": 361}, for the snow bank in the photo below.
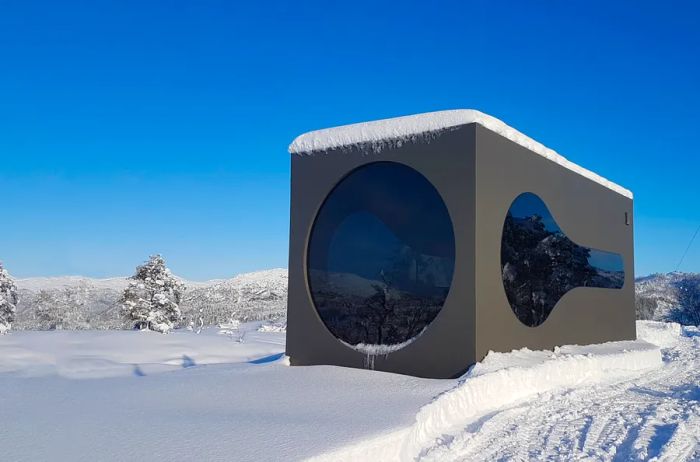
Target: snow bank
{"x": 663, "y": 334}
{"x": 504, "y": 379}
{"x": 278, "y": 326}
{"x": 394, "y": 132}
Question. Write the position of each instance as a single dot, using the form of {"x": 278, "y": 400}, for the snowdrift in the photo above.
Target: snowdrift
{"x": 501, "y": 380}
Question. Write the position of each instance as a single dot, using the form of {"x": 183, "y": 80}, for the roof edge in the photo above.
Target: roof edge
{"x": 380, "y": 134}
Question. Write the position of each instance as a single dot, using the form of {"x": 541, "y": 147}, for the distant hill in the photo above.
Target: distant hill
{"x": 74, "y": 302}
{"x": 669, "y": 297}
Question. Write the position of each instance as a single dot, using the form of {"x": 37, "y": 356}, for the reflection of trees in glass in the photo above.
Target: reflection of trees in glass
{"x": 540, "y": 263}
{"x": 388, "y": 310}
{"x": 381, "y": 256}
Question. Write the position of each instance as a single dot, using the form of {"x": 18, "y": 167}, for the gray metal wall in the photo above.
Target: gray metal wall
{"x": 447, "y": 347}
{"x": 587, "y": 212}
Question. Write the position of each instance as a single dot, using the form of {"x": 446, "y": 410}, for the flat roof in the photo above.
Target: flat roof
{"x": 386, "y": 133}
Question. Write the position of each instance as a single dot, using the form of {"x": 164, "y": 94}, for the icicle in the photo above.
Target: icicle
{"x": 369, "y": 361}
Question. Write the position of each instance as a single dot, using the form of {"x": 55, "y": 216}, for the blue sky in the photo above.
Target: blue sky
{"x": 129, "y": 128}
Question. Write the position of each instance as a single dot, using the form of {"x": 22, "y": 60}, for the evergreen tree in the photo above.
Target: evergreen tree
{"x": 151, "y": 301}
{"x": 8, "y": 300}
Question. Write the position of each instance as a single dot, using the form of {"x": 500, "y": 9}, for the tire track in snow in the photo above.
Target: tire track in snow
{"x": 684, "y": 444}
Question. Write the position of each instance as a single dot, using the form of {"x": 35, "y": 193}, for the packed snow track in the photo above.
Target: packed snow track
{"x": 651, "y": 416}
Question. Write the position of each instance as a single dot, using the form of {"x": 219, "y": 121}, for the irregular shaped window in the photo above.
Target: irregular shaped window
{"x": 540, "y": 263}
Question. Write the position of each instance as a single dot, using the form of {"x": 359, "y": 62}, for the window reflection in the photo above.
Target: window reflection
{"x": 540, "y": 263}
{"x": 381, "y": 255}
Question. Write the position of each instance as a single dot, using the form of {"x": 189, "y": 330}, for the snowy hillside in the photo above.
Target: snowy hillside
{"x": 73, "y": 302}
{"x": 246, "y": 297}
{"x": 669, "y": 297}
{"x": 128, "y": 395}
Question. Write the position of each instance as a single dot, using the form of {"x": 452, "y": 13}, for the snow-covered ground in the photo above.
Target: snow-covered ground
{"x": 119, "y": 353}
{"x": 118, "y": 395}
{"x": 651, "y": 415}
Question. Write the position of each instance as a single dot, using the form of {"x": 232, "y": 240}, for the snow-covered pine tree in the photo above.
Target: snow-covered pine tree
{"x": 151, "y": 301}
{"x": 8, "y": 300}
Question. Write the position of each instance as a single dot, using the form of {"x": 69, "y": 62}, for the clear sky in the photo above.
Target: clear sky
{"x": 129, "y": 127}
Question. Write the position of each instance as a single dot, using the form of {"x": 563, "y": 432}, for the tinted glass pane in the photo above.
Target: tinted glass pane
{"x": 381, "y": 256}
{"x": 540, "y": 263}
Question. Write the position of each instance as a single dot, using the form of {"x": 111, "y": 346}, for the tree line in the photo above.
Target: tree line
{"x": 151, "y": 301}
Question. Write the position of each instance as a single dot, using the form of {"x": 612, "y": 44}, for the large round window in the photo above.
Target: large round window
{"x": 381, "y": 257}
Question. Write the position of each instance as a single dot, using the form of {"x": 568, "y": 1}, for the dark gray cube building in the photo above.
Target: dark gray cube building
{"x": 418, "y": 244}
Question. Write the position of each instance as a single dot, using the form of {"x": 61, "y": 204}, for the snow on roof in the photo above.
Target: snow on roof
{"x": 380, "y": 134}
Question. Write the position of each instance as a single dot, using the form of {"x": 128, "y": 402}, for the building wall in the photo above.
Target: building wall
{"x": 447, "y": 347}
{"x": 478, "y": 174}
{"x": 587, "y": 212}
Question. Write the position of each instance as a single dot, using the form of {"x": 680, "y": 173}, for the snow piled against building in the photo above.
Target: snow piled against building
{"x": 381, "y": 134}
{"x": 500, "y": 380}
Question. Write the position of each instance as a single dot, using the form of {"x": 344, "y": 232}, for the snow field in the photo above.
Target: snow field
{"x": 214, "y": 412}
{"x": 101, "y": 354}
{"x": 221, "y": 395}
